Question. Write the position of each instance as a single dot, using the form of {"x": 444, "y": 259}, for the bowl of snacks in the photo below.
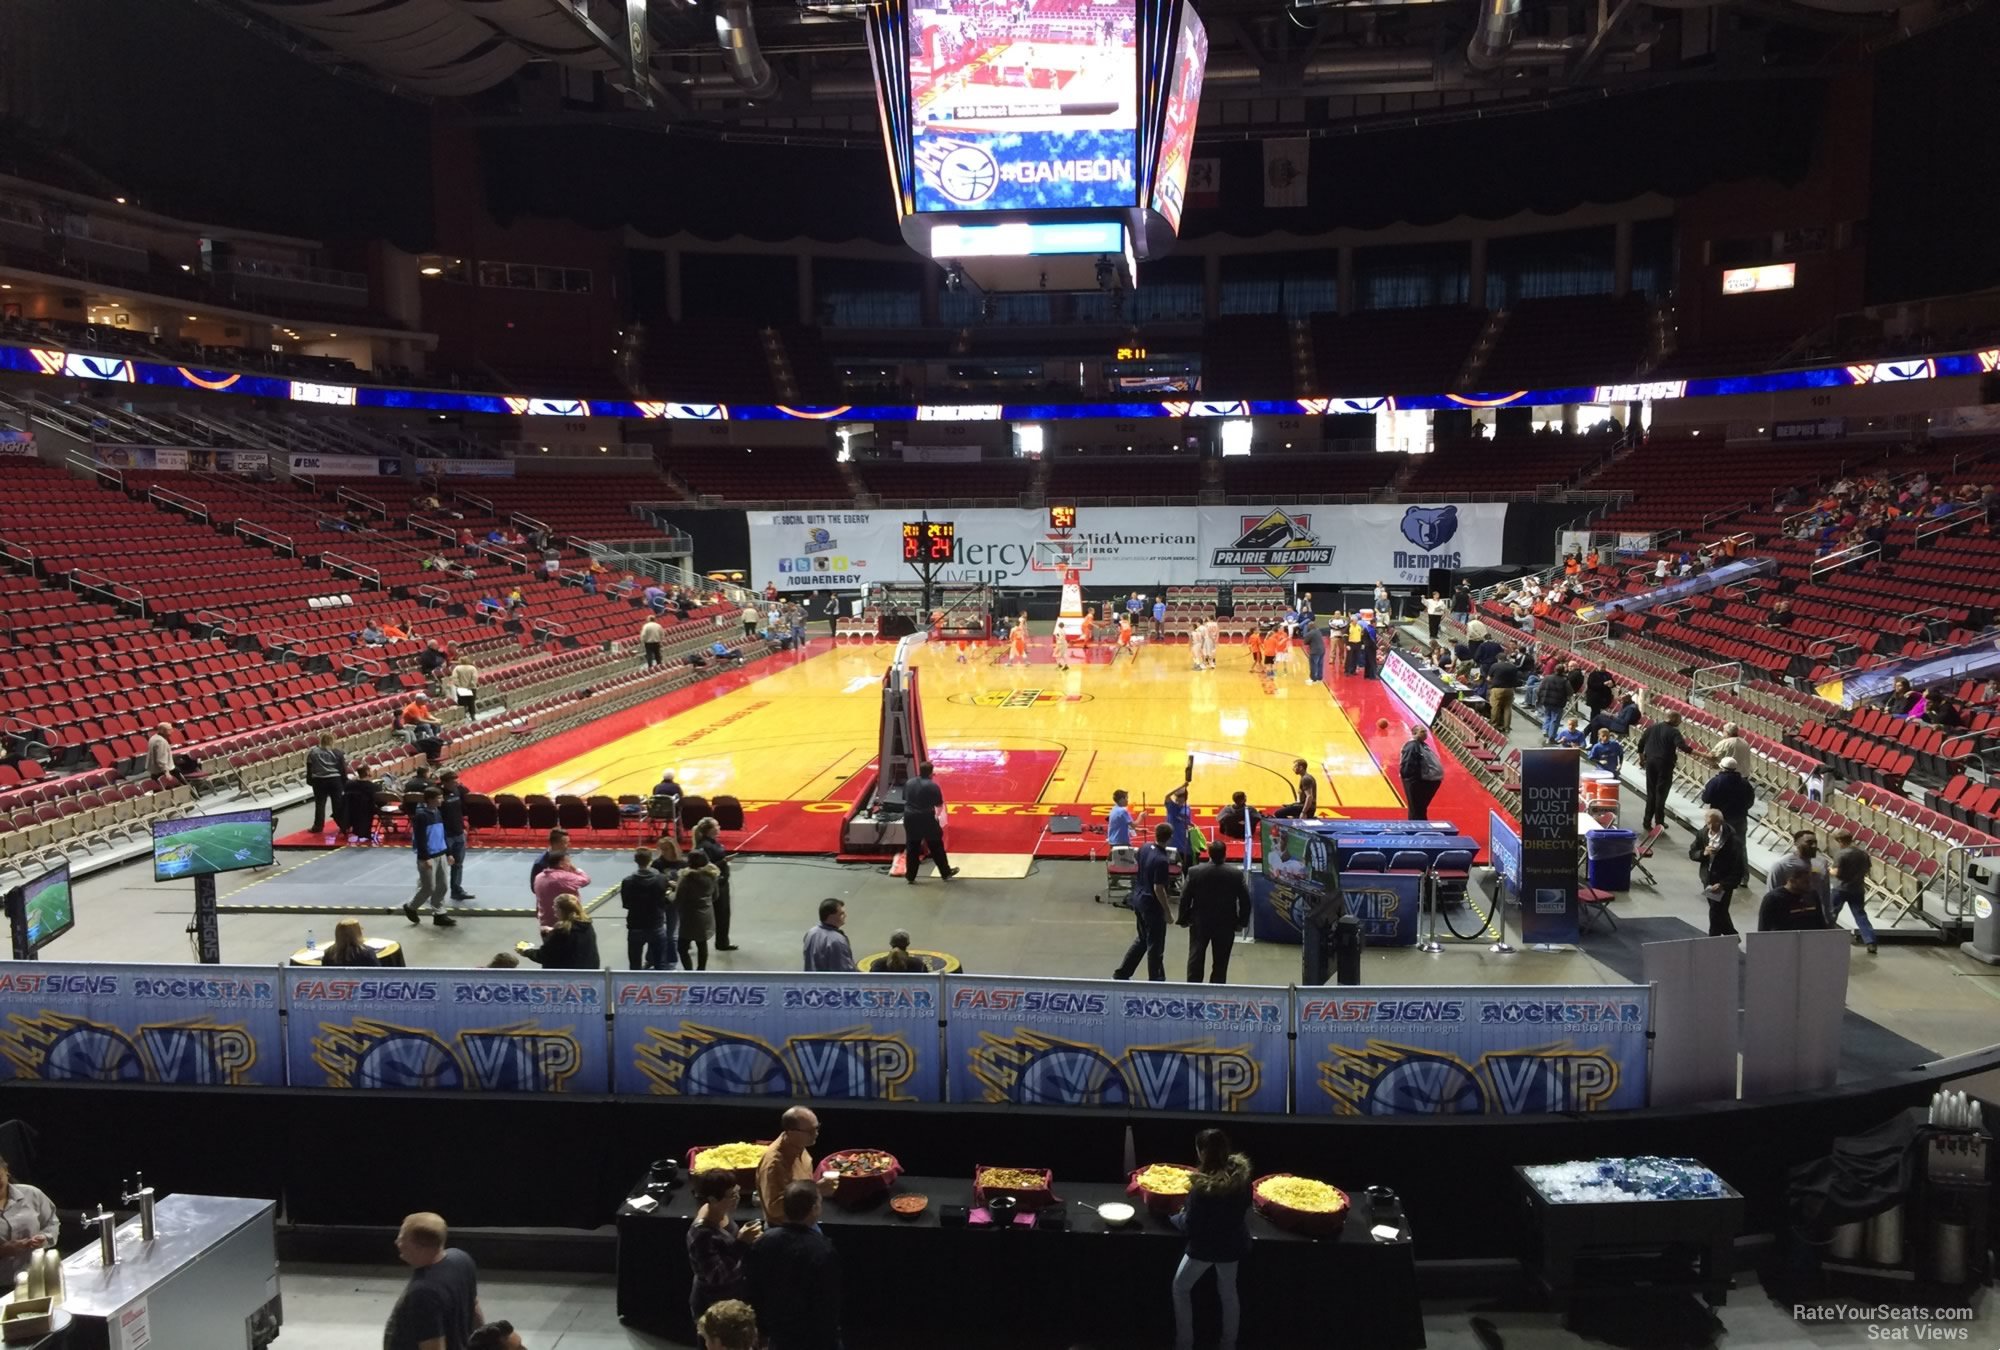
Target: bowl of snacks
{"x": 1116, "y": 1213}
{"x": 1162, "y": 1187}
{"x": 862, "y": 1173}
{"x": 1300, "y": 1204}
{"x": 1032, "y": 1188}
{"x": 908, "y": 1206}
{"x": 740, "y": 1158}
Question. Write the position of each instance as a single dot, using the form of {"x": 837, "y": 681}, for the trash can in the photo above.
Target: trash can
{"x": 1347, "y": 944}
{"x": 1608, "y": 857}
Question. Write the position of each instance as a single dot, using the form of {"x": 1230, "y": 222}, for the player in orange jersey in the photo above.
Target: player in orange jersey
{"x": 1018, "y": 642}
{"x": 1089, "y": 631}
{"x": 1256, "y": 645}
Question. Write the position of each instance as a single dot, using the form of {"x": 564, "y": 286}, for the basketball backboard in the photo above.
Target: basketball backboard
{"x": 1059, "y": 555}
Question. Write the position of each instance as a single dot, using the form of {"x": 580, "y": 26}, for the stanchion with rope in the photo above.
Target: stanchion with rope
{"x": 1493, "y": 922}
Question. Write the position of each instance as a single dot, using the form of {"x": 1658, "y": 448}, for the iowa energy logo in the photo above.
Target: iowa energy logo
{"x": 1276, "y": 544}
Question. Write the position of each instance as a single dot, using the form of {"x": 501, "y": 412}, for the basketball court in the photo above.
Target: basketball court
{"x": 795, "y": 738}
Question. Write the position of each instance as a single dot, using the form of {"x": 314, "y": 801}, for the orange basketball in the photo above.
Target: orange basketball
{"x": 1381, "y": 724}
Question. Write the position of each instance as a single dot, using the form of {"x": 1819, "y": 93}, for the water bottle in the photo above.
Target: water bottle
{"x": 1093, "y": 853}
{"x": 311, "y": 946}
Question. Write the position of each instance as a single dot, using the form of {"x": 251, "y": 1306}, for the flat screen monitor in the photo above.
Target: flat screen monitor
{"x": 50, "y": 908}
{"x": 200, "y": 846}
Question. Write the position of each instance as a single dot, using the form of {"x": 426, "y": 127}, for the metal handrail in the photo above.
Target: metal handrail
{"x": 1724, "y": 513}
{"x": 1938, "y": 525}
{"x": 1579, "y": 634}
{"x": 88, "y": 465}
{"x": 435, "y": 596}
{"x": 541, "y": 527}
{"x": 549, "y": 628}
{"x": 362, "y": 499}
{"x": 180, "y": 501}
{"x": 120, "y": 593}
{"x": 1846, "y": 557}
{"x": 287, "y": 644}
{"x": 1944, "y": 746}
{"x": 1697, "y": 685}
{"x": 249, "y": 529}
{"x": 461, "y": 495}
{"x": 433, "y": 529}
{"x": 1956, "y": 901}
{"x": 216, "y": 622}
{"x": 334, "y": 562}
{"x": 1797, "y": 518}
{"x": 19, "y": 553}
{"x": 349, "y": 662}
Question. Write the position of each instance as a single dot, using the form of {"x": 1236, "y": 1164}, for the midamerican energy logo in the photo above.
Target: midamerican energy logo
{"x": 1276, "y": 544}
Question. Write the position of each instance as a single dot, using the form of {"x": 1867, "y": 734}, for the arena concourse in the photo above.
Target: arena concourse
{"x": 1483, "y": 604}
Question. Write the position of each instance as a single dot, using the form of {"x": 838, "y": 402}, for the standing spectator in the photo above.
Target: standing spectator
{"x": 1216, "y": 1221}
{"x": 694, "y": 911}
{"x": 1118, "y": 828}
{"x": 716, "y": 1245}
{"x": 1215, "y": 906}
{"x": 326, "y": 775}
{"x": 923, "y": 801}
{"x": 465, "y": 685}
{"x": 451, "y": 807}
{"x": 1306, "y": 805}
{"x": 160, "y": 754}
{"x": 1384, "y": 611}
{"x": 750, "y": 617}
{"x": 826, "y": 947}
{"x": 829, "y": 609}
{"x": 788, "y": 1159}
{"x": 795, "y": 1277}
{"x": 1718, "y": 849}
{"x": 439, "y": 1307}
{"x": 728, "y": 1325}
{"x": 1179, "y": 818}
{"x": 1597, "y": 692}
{"x": 1789, "y": 904}
{"x": 1552, "y": 699}
{"x": 1422, "y": 772}
{"x": 1805, "y": 857}
{"x": 651, "y": 635}
{"x": 1371, "y": 653}
{"x": 1149, "y": 901}
{"x": 558, "y": 847}
{"x": 1315, "y": 637}
{"x": 649, "y": 925}
{"x": 1461, "y": 603}
{"x": 1851, "y": 866}
{"x": 1503, "y": 679}
{"x": 572, "y": 943}
{"x": 560, "y": 877}
{"x": 433, "y": 861}
{"x": 360, "y": 800}
{"x": 1732, "y": 794}
{"x": 1159, "y": 617}
{"x": 1434, "y": 612}
{"x": 708, "y": 843}
{"x": 1730, "y": 745}
{"x": 1659, "y": 746}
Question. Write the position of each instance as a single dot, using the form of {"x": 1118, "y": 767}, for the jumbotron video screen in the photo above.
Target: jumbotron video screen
{"x": 1024, "y": 104}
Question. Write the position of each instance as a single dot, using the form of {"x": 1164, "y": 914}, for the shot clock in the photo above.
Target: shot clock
{"x": 929, "y": 541}
{"x": 1062, "y": 518}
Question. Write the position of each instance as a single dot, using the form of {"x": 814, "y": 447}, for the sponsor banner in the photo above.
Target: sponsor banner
{"x": 1549, "y": 796}
{"x": 1444, "y": 1050}
{"x": 467, "y": 468}
{"x": 167, "y": 459}
{"x": 1412, "y": 688}
{"x": 205, "y": 1026}
{"x": 1168, "y": 1047}
{"x": 345, "y": 466}
{"x": 804, "y": 1037}
{"x": 447, "y": 1031}
{"x": 1674, "y": 592}
{"x": 1133, "y": 547}
{"x": 17, "y": 444}
{"x": 1503, "y": 846}
{"x": 1810, "y": 429}
{"x": 1980, "y": 421}
{"x": 940, "y": 454}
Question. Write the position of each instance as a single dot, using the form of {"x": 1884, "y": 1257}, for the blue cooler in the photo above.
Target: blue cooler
{"x": 1608, "y": 858}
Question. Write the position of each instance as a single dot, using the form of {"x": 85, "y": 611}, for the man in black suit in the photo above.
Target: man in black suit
{"x": 922, "y": 800}
{"x": 1215, "y": 905}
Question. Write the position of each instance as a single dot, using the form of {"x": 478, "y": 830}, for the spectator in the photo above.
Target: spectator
{"x": 1306, "y": 805}
{"x": 326, "y": 775}
{"x": 439, "y": 1307}
{"x": 559, "y": 877}
{"x": 923, "y": 803}
{"x": 795, "y": 1277}
{"x": 1503, "y": 678}
{"x": 360, "y": 799}
{"x": 1851, "y": 866}
{"x": 1805, "y": 857}
{"x": 418, "y": 719}
{"x": 571, "y": 944}
{"x": 1730, "y": 745}
{"x": 349, "y": 948}
{"x": 788, "y": 1159}
{"x": 708, "y": 843}
{"x": 1475, "y": 630}
{"x": 430, "y": 660}
{"x": 495, "y": 1336}
{"x": 1659, "y": 746}
{"x": 1620, "y": 720}
{"x": 465, "y": 685}
{"x": 1422, "y": 772}
{"x": 433, "y": 862}
{"x": 1789, "y": 904}
{"x": 1215, "y": 906}
{"x": 651, "y": 635}
{"x": 558, "y": 845}
{"x": 1118, "y": 828}
{"x": 1718, "y": 850}
{"x": 694, "y": 912}
{"x": 716, "y": 1244}
{"x": 372, "y": 634}
{"x": 451, "y": 806}
{"x": 1315, "y": 639}
{"x": 650, "y": 926}
{"x": 770, "y": 590}
{"x": 750, "y": 617}
{"x": 826, "y": 947}
{"x": 503, "y": 961}
{"x": 1149, "y": 901}
{"x": 160, "y": 754}
{"x": 1901, "y": 699}
{"x": 1573, "y": 736}
{"x": 1216, "y": 1220}
{"x": 1607, "y": 752}
{"x": 1383, "y": 610}
{"x": 728, "y": 1325}
{"x": 1434, "y": 612}
{"x": 1237, "y": 819}
{"x": 1461, "y": 602}
{"x": 1552, "y": 698}
{"x": 1179, "y": 819}
{"x": 1732, "y": 794}
{"x": 901, "y": 960}
{"x": 1597, "y": 692}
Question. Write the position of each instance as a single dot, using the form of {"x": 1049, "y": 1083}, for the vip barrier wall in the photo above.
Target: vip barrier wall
{"x": 919, "y": 1039}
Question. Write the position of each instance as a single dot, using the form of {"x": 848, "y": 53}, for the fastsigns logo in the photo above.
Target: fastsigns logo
{"x": 1276, "y": 544}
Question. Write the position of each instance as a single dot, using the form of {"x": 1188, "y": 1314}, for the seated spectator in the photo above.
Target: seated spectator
{"x": 515, "y": 602}
{"x": 899, "y": 960}
{"x": 372, "y": 635}
{"x": 1607, "y": 752}
{"x": 394, "y": 631}
{"x": 1573, "y": 735}
{"x": 431, "y": 660}
{"x": 503, "y": 961}
{"x": 1901, "y": 699}
{"x": 1620, "y": 720}
{"x": 720, "y": 651}
{"x": 348, "y": 948}
{"x": 1236, "y": 817}
{"x": 418, "y": 718}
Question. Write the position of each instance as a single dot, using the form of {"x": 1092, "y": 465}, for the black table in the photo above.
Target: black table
{"x": 1610, "y": 1248}
{"x": 1056, "y": 1286}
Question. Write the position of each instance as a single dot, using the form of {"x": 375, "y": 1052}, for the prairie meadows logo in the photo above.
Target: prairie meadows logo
{"x": 1276, "y": 544}
{"x": 1430, "y": 527}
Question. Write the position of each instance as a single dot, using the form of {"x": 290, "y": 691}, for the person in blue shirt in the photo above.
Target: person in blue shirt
{"x": 1118, "y": 830}
{"x": 1133, "y": 605}
{"x": 1178, "y": 819}
{"x": 1149, "y": 909}
{"x": 1159, "y": 617}
{"x": 1608, "y": 752}
{"x": 433, "y": 861}
{"x": 1573, "y": 735}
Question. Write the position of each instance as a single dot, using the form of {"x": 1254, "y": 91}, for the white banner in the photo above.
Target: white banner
{"x": 1411, "y": 689}
{"x": 1980, "y": 421}
{"x": 1131, "y": 547}
{"x": 467, "y": 468}
{"x": 941, "y": 454}
{"x": 1285, "y": 166}
{"x": 345, "y": 466}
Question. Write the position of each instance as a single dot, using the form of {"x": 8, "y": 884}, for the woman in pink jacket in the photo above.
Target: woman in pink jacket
{"x": 560, "y": 877}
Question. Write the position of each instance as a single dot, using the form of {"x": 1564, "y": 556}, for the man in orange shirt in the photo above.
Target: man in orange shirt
{"x": 786, "y": 1160}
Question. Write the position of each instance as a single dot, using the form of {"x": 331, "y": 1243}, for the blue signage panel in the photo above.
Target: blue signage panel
{"x": 1168, "y": 1047}
{"x": 1444, "y": 1050}
{"x": 1504, "y": 846}
{"x": 447, "y": 1030}
{"x": 1549, "y": 797}
{"x": 199, "y": 1026}
{"x": 706, "y": 1034}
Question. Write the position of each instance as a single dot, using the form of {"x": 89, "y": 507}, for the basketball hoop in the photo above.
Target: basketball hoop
{"x": 1068, "y": 560}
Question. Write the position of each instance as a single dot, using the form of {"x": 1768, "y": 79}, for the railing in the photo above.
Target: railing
{"x": 351, "y": 664}
{"x": 216, "y": 622}
{"x": 102, "y": 472}
{"x": 362, "y": 499}
{"x": 334, "y": 562}
{"x": 1938, "y": 525}
{"x": 116, "y": 592}
{"x": 549, "y": 628}
{"x": 311, "y": 482}
{"x": 288, "y": 645}
{"x": 179, "y": 501}
{"x": 1846, "y": 557}
{"x": 1792, "y": 523}
{"x": 1725, "y": 513}
{"x": 461, "y": 495}
{"x": 1582, "y": 633}
{"x": 19, "y": 553}
{"x": 1842, "y": 646}
{"x": 437, "y": 597}
{"x": 523, "y": 520}
{"x": 28, "y": 736}
{"x": 248, "y": 529}
{"x": 1916, "y": 619}
{"x": 1725, "y": 675}
{"x": 433, "y": 529}
{"x": 1958, "y": 897}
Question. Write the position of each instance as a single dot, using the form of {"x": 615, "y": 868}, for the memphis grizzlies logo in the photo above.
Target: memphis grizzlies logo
{"x": 1430, "y": 527}
{"x": 962, "y": 170}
